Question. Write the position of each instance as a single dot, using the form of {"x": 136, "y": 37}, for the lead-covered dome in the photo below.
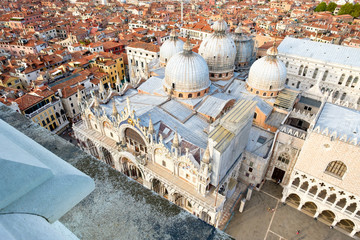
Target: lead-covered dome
{"x": 267, "y": 75}
{"x": 170, "y": 47}
{"x": 245, "y": 49}
{"x": 186, "y": 74}
{"x": 219, "y": 51}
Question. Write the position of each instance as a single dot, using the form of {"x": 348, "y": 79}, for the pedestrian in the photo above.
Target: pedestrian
{"x": 298, "y": 232}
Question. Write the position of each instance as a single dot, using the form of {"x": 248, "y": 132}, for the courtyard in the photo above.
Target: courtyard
{"x": 266, "y": 218}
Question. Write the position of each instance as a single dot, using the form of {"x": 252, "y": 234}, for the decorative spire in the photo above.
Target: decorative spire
{"x": 101, "y": 87}
{"x": 96, "y": 102}
{"x": 151, "y": 126}
{"x": 187, "y": 46}
{"x": 114, "y": 109}
{"x": 206, "y": 156}
{"x": 176, "y": 140}
{"x": 173, "y": 35}
{"x": 118, "y": 81}
{"x": 238, "y": 30}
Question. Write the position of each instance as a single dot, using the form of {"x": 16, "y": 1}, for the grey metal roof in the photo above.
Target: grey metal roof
{"x": 310, "y": 101}
{"x": 325, "y": 52}
{"x": 275, "y": 119}
{"x": 263, "y": 106}
{"x": 344, "y": 121}
{"x": 213, "y": 105}
{"x": 177, "y": 110}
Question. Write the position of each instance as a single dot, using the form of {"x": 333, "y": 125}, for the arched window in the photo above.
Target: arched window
{"x": 348, "y": 81}
{"x": 341, "y": 79}
{"x": 287, "y": 64}
{"x": 298, "y": 84}
{"x": 264, "y": 94}
{"x": 198, "y": 94}
{"x": 180, "y": 95}
{"x": 284, "y": 157}
{"x": 270, "y": 87}
{"x": 255, "y": 115}
{"x": 300, "y": 69}
{"x": 287, "y": 81}
{"x": 353, "y": 84}
{"x": 325, "y": 75}
{"x": 305, "y": 71}
{"x": 343, "y": 96}
{"x": 337, "y": 168}
{"x": 190, "y": 95}
{"x": 315, "y": 73}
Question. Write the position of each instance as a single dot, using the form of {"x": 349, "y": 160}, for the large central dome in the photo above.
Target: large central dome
{"x": 219, "y": 51}
{"x": 187, "y": 74}
{"x": 267, "y": 75}
{"x": 170, "y": 47}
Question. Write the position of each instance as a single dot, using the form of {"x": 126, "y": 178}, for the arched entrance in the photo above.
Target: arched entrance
{"x": 293, "y": 199}
{"x": 92, "y": 148}
{"x": 327, "y": 216}
{"x": 346, "y": 225}
{"x": 135, "y": 141}
{"x": 107, "y": 156}
{"x": 310, "y": 208}
{"x": 130, "y": 169}
{"x": 179, "y": 200}
{"x": 205, "y": 217}
{"x": 295, "y": 183}
{"x": 159, "y": 188}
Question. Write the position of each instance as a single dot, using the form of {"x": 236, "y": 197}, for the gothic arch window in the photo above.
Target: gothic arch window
{"x": 343, "y": 96}
{"x": 255, "y": 115}
{"x": 336, "y": 168}
{"x": 300, "y": 69}
{"x": 284, "y": 157}
{"x": 287, "y": 81}
{"x": 270, "y": 87}
{"x": 305, "y": 71}
{"x": 315, "y": 73}
{"x": 349, "y": 80}
{"x": 325, "y": 75}
{"x": 353, "y": 84}
{"x": 341, "y": 80}
{"x": 133, "y": 138}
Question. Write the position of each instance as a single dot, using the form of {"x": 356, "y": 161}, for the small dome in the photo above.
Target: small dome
{"x": 187, "y": 72}
{"x": 170, "y": 47}
{"x": 267, "y": 73}
{"x": 219, "y": 51}
{"x": 245, "y": 47}
{"x": 220, "y": 25}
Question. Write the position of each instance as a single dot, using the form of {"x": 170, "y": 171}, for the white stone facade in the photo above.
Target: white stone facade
{"x": 325, "y": 190}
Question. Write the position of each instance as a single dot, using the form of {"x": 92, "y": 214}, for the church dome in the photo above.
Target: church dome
{"x": 245, "y": 54}
{"x": 186, "y": 74}
{"x": 170, "y": 47}
{"x": 219, "y": 51}
{"x": 267, "y": 75}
